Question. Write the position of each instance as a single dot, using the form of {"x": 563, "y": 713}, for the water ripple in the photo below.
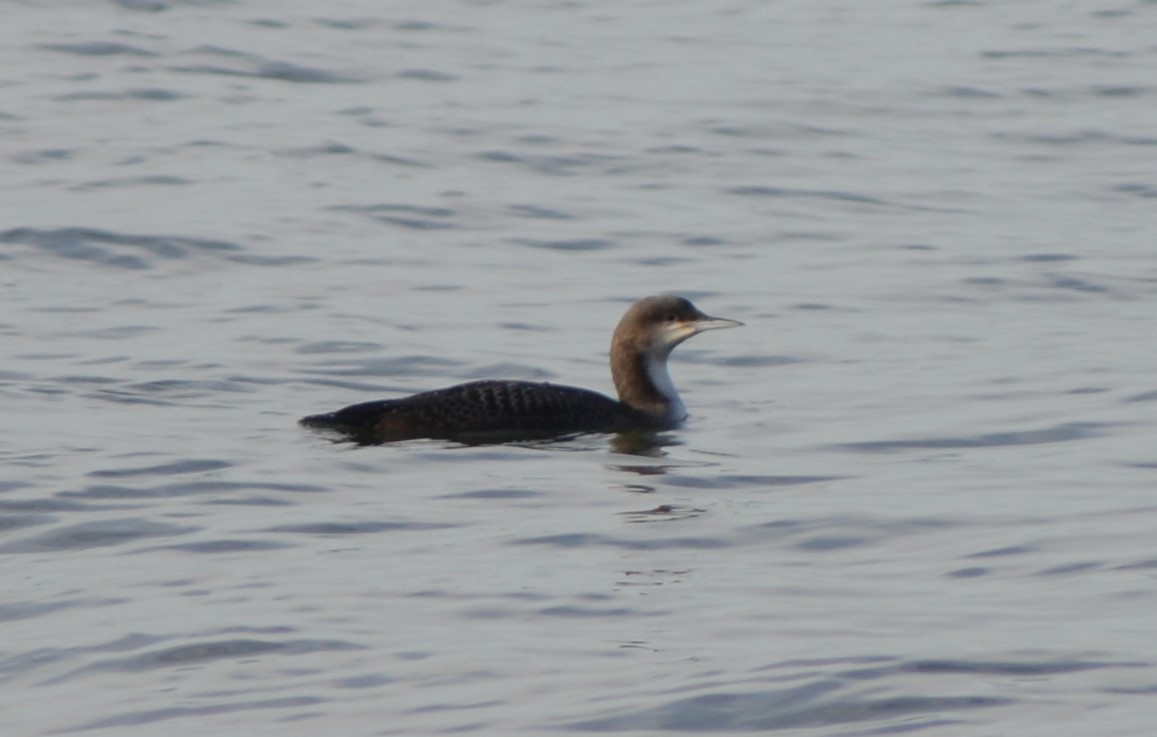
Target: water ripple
{"x": 90, "y": 535}
{"x": 812, "y": 705}
{"x": 118, "y": 250}
{"x": 359, "y": 528}
{"x": 1062, "y": 433}
{"x": 135, "y": 718}
{"x": 581, "y": 540}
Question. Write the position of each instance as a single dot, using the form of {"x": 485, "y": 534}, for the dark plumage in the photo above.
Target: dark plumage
{"x": 483, "y": 407}
{"x": 644, "y": 338}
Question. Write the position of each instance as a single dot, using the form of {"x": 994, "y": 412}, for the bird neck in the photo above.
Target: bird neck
{"x": 643, "y": 382}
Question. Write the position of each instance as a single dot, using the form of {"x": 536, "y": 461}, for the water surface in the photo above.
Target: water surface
{"x": 915, "y": 493}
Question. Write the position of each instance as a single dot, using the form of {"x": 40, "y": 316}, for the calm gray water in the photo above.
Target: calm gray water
{"x": 917, "y": 491}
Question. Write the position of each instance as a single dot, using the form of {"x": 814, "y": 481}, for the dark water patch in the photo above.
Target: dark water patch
{"x": 347, "y": 24}
{"x": 418, "y": 25}
{"x": 1003, "y": 552}
{"x": 1132, "y": 691}
{"x": 750, "y": 361}
{"x": 576, "y": 244}
{"x": 265, "y": 309}
{"x": 503, "y": 157}
{"x": 538, "y": 139}
{"x": 553, "y": 165}
{"x": 206, "y": 652}
{"x": 788, "y": 192}
{"x": 400, "y": 160}
{"x": 166, "y": 391}
{"x": 281, "y": 71}
{"x": 144, "y": 6}
{"x": 117, "y": 250}
{"x": 223, "y": 546}
{"x": 585, "y": 540}
{"x": 253, "y": 501}
{"x": 540, "y": 213}
{"x": 1074, "y": 51}
{"x": 1058, "y": 281}
{"x": 268, "y": 23}
{"x": 1119, "y": 90}
{"x": 1009, "y": 667}
{"x": 1048, "y": 257}
{"x": 818, "y": 704}
{"x": 400, "y": 366}
{"x": 109, "y": 491}
{"x": 523, "y": 326}
{"x": 1141, "y": 565}
{"x": 826, "y": 543}
{"x": 88, "y": 380}
{"x": 340, "y": 149}
{"x": 118, "y": 397}
{"x": 638, "y": 488}
{"x": 12, "y": 611}
{"x": 494, "y": 494}
{"x": 91, "y": 535}
{"x": 969, "y": 93}
{"x": 415, "y": 217}
{"x": 836, "y": 534}
{"x": 43, "y": 504}
{"x": 1143, "y": 397}
{"x": 970, "y": 572}
{"x": 223, "y": 52}
{"x": 187, "y": 388}
{"x": 44, "y": 156}
{"x": 985, "y": 281}
{"x": 1135, "y": 188}
{"x": 337, "y": 346}
{"x": 190, "y": 488}
{"x": 426, "y": 75}
{"x": 369, "y": 680}
{"x": 578, "y": 612}
{"x": 327, "y": 149}
{"x": 98, "y": 48}
{"x": 135, "y": 718}
{"x": 1075, "y": 138}
{"x": 738, "y": 481}
{"x": 254, "y": 260}
{"x": 120, "y": 332}
{"x": 13, "y": 522}
{"x": 663, "y": 513}
{"x": 1062, "y": 433}
{"x": 155, "y": 180}
{"x": 661, "y": 260}
{"x": 190, "y": 465}
{"x": 703, "y": 241}
{"x": 1070, "y": 568}
{"x": 329, "y": 529}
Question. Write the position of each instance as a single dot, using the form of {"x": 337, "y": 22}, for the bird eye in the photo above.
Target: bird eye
{"x": 670, "y": 317}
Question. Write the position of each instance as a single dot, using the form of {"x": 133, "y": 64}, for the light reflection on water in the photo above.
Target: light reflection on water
{"x": 914, "y": 493}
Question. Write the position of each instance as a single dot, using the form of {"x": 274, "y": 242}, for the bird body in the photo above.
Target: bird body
{"x": 643, "y": 340}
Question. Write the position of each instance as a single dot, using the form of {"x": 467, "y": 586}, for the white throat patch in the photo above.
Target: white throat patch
{"x": 661, "y": 378}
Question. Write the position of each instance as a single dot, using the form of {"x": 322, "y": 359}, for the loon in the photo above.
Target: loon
{"x": 647, "y": 401}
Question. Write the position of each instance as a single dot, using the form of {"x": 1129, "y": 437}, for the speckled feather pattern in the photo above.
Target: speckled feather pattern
{"x": 484, "y": 407}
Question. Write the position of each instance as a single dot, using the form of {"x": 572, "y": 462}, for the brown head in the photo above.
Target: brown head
{"x": 643, "y": 340}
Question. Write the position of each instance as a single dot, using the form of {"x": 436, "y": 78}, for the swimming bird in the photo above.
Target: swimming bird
{"x": 643, "y": 340}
